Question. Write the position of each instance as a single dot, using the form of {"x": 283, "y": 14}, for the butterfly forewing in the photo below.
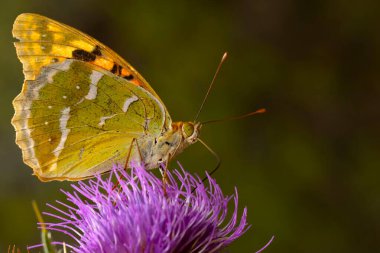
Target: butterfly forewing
{"x": 42, "y": 37}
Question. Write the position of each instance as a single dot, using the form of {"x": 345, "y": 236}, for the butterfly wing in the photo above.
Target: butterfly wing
{"x": 43, "y": 41}
{"x": 76, "y": 114}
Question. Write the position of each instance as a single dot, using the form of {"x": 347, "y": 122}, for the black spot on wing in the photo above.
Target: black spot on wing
{"x": 114, "y": 68}
{"x": 129, "y": 77}
{"x": 83, "y": 55}
{"x": 117, "y": 70}
{"x": 97, "y": 51}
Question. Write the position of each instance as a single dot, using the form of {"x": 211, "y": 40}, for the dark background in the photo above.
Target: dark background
{"x": 308, "y": 170}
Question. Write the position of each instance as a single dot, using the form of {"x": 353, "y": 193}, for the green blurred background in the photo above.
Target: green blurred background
{"x": 308, "y": 170}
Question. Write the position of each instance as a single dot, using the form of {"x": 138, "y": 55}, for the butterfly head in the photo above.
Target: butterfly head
{"x": 190, "y": 131}
{"x": 173, "y": 142}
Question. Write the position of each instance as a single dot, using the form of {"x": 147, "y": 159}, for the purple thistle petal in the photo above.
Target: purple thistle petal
{"x": 266, "y": 245}
{"x": 137, "y": 216}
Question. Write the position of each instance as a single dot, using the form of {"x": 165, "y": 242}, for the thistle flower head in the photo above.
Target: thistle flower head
{"x": 138, "y": 216}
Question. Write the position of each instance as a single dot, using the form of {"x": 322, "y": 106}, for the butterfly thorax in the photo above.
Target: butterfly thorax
{"x": 159, "y": 150}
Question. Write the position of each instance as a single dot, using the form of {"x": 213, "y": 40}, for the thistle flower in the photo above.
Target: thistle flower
{"x": 137, "y": 215}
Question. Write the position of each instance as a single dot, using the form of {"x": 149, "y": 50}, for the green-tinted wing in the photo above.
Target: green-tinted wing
{"x": 76, "y": 119}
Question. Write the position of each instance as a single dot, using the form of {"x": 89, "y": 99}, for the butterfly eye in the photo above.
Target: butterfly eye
{"x": 188, "y": 129}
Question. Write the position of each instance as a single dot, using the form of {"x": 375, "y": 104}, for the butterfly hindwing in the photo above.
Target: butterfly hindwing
{"x": 75, "y": 118}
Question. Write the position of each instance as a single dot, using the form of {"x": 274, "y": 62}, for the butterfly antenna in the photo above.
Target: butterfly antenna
{"x": 218, "y": 161}
{"x": 211, "y": 84}
{"x": 262, "y": 110}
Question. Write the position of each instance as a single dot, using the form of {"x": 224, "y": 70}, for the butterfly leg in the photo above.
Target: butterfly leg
{"x": 129, "y": 154}
{"x": 133, "y": 142}
{"x": 164, "y": 174}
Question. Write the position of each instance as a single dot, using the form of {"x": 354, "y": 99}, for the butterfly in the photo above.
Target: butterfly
{"x": 83, "y": 108}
